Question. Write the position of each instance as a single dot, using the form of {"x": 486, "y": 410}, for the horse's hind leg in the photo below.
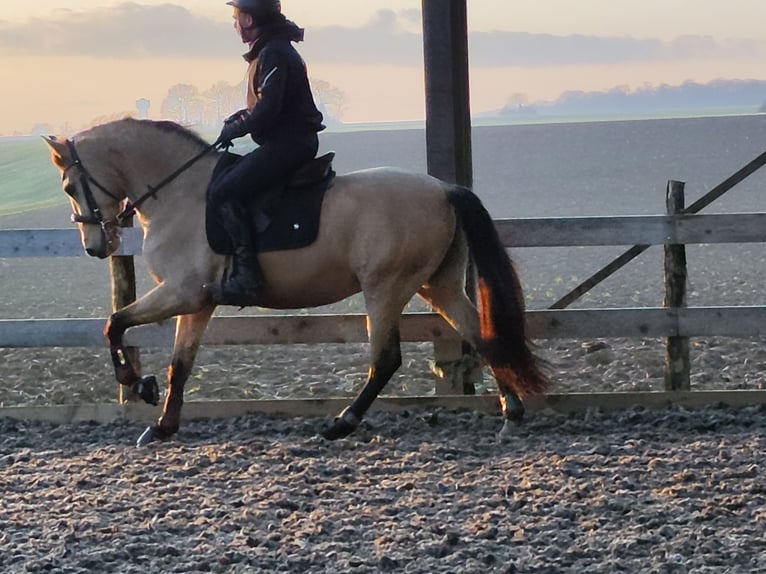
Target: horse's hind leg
{"x": 386, "y": 358}
{"x": 447, "y": 296}
{"x": 189, "y": 330}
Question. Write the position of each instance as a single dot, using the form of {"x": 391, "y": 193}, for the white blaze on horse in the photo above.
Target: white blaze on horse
{"x": 385, "y": 232}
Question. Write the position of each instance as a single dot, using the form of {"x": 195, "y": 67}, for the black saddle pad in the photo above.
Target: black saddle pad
{"x": 285, "y": 217}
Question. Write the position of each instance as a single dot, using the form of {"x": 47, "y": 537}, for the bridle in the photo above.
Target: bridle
{"x": 95, "y": 216}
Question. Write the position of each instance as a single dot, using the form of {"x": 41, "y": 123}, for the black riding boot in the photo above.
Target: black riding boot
{"x": 243, "y": 286}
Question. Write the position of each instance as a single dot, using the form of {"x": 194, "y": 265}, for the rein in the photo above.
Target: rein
{"x": 131, "y": 207}
{"x": 95, "y": 217}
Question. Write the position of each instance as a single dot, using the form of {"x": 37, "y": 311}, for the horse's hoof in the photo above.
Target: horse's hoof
{"x": 507, "y": 432}
{"x": 151, "y": 434}
{"x": 146, "y": 437}
{"x": 337, "y": 430}
{"x": 148, "y": 390}
{"x": 342, "y": 426}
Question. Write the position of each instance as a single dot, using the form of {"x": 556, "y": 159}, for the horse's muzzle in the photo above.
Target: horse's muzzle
{"x": 102, "y": 243}
{"x": 96, "y": 253}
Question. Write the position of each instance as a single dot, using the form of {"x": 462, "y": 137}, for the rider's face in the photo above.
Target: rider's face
{"x": 244, "y": 25}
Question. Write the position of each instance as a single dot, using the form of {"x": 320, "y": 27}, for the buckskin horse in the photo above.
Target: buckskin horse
{"x": 388, "y": 233}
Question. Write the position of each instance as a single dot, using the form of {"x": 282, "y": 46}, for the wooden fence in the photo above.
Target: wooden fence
{"x": 675, "y": 322}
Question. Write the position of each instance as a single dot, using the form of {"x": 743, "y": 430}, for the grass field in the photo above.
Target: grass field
{"x": 29, "y": 179}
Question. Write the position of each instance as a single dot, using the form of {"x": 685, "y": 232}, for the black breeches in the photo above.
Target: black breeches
{"x": 262, "y": 168}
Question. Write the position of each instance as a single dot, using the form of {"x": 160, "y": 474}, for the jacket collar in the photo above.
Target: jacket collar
{"x": 283, "y": 28}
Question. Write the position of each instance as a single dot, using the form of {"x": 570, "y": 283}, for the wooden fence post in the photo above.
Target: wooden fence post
{"x": 448, "y": 141}
{"x": 677, "y": 363}
{"x": 123, "y": 275}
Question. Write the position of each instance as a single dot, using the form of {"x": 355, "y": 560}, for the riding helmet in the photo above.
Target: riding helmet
{"x": 259, "y": 9}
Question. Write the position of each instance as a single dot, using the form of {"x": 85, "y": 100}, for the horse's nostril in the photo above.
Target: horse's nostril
{"x": 90, "y": 251}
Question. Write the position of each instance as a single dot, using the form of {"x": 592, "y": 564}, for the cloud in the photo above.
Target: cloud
{"x": 685, "y": 47}
{"x": 128, "y": 30}
{"x": 386, "y": 39}
{"x": 132, "y": 30}
{"x": 532, "y": 50}
{"x": 535, "y": 50}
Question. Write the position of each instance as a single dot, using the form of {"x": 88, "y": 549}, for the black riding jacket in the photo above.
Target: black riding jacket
{"x": 279, "y": 99}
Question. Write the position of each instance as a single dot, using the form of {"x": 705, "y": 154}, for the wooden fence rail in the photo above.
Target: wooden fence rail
{"x": 728, "y": 321}
{"x": 748, "y": 321}
{"x": 523, "y": 232}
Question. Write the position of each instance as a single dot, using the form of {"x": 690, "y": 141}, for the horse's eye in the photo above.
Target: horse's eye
{"x": 70, "y": 189}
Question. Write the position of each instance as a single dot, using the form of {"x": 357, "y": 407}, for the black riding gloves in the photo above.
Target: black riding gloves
{"x": 237, "y": 116}
{"x": 235, "y": 126}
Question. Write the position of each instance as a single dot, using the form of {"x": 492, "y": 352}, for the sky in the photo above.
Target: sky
{"x": 68, "y": 63}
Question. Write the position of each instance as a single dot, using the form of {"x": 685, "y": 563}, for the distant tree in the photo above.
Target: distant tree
{"x": 330, "y": 99}
{"x": 65, "y": 129}
{"x": 222, "y": 100}
{"x": 518, "y": 106}
{"x": 718, "y": 94}
{"x": 182, "y": 104}
{"x": 41, "y": 130}
{"x": 517, "y": 100}
{"x": 185, "y": 104}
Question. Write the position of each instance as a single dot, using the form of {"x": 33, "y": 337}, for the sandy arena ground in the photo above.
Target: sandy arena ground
{"x": 634, "y": 491}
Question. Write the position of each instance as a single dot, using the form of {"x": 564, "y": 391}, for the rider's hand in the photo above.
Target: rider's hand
{"x": 224, "y": 145}
{"x": 231, "y": 131}
{"x": 236, "y": 116}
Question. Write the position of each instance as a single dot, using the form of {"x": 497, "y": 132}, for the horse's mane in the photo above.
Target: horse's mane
{"x": 165, "y": 126}
{"x": 173, "y": 127}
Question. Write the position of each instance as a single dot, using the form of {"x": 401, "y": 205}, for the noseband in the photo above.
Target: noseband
{"x": 95, "y": 217}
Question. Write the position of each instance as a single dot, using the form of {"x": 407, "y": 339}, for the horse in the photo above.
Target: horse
{"x": 385, "y": 232}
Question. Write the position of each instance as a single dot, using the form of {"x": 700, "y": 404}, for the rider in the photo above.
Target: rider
{"x": 281, "y": 117}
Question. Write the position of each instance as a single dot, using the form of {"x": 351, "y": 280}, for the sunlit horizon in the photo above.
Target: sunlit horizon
{"x": 372, "y": 53}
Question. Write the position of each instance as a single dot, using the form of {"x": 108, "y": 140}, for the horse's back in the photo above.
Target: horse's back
{"x": 380, "y": 202}
{"x": 387, "y": 194}
{"x": 390, "y": 216}
{"x": 390, "y": 180}
{"x": 376, "y": 223}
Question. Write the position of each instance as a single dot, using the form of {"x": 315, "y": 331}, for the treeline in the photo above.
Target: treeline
{"x": 188, "y": 105}
{"x": 648, "y": 99}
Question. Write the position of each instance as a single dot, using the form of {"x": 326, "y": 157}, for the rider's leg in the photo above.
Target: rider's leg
{"x": 243, "y": 286}
{"x": 258, "y": 170}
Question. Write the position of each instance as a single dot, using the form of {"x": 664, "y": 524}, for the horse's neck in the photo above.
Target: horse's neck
{"x": 185, "y": 191}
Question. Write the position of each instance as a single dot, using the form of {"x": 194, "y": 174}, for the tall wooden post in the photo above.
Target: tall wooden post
{"x": 123, "y": 274}
{"x": 677, "y": 363}
{"x": 448, "y": 114}
{"x": 448, "y": 153}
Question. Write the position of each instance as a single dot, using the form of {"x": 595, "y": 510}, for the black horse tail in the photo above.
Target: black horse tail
{"x": 504, "y": 342}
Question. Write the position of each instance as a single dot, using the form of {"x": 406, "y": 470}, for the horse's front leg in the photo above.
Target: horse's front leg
{"x": 122, "y": 359}
{"x": 159, "y": 304}
{"x": 115, "y": 328}
{"x": 189, "y": 330}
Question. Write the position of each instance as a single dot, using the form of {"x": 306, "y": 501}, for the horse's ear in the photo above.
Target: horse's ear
{"x": 58, "y": 147}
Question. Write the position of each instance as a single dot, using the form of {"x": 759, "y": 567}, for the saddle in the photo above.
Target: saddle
{"x": 283, "y": 217}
